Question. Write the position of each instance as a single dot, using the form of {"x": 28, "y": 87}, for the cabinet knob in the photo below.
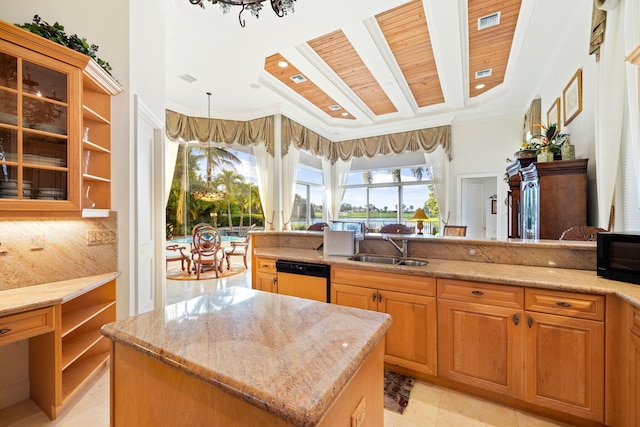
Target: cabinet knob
{"x": 379, "y": 297}
{"x": 5, "y": 331}
{"x": 516, "y": 319}
{"x": 373, "y": 296}
{"x": 530, "y": 321}
{"x": 478, "y": 293}
{"x": 563, "y": 304}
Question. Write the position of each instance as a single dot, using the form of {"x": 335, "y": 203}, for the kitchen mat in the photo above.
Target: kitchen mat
{"x": 397, "y": 388}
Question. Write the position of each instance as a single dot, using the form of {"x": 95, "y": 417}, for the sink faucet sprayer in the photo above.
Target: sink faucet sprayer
{"x": 403, "y": 250}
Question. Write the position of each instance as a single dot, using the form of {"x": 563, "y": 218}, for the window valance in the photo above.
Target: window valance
{"x": 397, "y": 143}
{"x": 252, "y": 132}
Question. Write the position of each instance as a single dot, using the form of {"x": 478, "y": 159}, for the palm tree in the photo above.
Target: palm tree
{"x": 230, "y": 180}
{"x": 244, "y": 200}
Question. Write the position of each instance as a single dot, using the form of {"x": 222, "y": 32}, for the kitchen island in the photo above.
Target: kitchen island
{"x": 241, "y": 357}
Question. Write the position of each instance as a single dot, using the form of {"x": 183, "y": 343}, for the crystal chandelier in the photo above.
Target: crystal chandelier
{"x": 280, "y": 7}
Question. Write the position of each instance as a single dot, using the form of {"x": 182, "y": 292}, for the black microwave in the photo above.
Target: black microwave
{"x": 619, "y": 256}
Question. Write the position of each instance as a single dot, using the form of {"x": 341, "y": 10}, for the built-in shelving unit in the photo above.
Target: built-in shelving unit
{"x": 79, "y": 350}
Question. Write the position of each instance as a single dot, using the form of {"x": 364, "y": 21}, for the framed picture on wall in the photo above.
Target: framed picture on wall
{"x": 553, "y": 114}
{"x": 572, "y": 97}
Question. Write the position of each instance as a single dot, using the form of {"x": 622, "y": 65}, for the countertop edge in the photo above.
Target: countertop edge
{"x": 18, "y": 300}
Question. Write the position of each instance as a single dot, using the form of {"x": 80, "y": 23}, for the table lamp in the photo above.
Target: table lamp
{"x": 419, "y": 216}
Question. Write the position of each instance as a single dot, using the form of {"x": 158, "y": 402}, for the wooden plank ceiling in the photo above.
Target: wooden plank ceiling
{"x": 406, "y": 33}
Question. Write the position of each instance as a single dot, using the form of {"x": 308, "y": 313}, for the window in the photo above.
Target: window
{"x": 308, "y": 205}
{"x": 229, "y": 200}
{"x": 388, "y": 196}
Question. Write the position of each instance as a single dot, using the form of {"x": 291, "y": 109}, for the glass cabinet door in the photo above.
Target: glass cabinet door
{"x": 34, "y": 130}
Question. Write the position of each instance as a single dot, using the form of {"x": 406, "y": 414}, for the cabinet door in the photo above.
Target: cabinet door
{"x": 411, "y": 340}
{"x": 265, "y": 282}
{"x": 564, "y": 362}
{"x": 481, "y": 345}
{"x": 354, "y": 296}
{"x": 634, "y": 380}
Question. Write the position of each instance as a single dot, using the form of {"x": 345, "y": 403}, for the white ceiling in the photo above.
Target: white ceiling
{"x": 228, "y": 61}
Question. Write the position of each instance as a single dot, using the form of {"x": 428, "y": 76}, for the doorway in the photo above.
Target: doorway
{"x": 480, "y": 207}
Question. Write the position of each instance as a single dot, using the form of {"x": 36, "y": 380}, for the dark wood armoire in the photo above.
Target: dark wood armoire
{"x": 563, "y": 197}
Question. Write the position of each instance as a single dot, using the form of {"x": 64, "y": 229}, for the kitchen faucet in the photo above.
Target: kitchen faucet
{"x": 403, "y": 250}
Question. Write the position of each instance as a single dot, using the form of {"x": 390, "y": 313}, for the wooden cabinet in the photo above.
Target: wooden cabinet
{"x": 480, "y": 338}
{"x": 410, "y": 342}
{"x": 266, "y": 275}
{"x": 563, "y": 198}
{"x": 633, "y": 362}
{"x": 62, "y": 361}
{"x": 49, "y": 95}
{"x": 564, "y": 356}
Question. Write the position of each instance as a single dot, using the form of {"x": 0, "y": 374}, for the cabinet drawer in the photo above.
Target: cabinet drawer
{"x": 583, "y": 306}
{"x": 24, "y": 325}
{"x": 266, "y": 265}
{"x": 417, "y": 285}
{"x": 483, "y": 293}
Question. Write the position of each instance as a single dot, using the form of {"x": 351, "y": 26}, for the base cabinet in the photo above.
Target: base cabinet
{"x": 633, "y": 362}
{"x": 266, "y": 275}
{"x": 410, "y": 342}
{"x": 480, "y": 335}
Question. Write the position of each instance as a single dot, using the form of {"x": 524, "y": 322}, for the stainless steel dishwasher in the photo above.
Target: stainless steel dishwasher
{"x": 304, "y": 280}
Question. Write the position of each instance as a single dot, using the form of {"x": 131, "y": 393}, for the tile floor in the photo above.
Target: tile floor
{"x": 428, "y": 405}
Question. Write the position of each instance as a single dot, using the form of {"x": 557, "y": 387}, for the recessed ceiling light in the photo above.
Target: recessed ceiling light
{"x": 283, "y": 64}
{"x": 480, "y": 86}
{"x": 335, "y": 107}
{"x": 345, "y": 114}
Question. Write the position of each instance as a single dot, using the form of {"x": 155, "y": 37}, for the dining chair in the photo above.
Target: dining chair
{"x": 396, "y": 229}
{"x": 455, "y": 230}
{"x": 581, "y": 232}
{"x": 175, "y": 253}
{"x": 207, "y": 251}
{"x": 237, "y": 248}
{"x": 318, "y": 226}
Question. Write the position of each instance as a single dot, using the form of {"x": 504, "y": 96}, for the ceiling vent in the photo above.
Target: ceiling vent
{"x": 484, "y": 73}
{"x": 187, "y": 78}
{"x": 489, "y": 21}
{"x": 298, "y": 78}
{"x": 335, "y": 107}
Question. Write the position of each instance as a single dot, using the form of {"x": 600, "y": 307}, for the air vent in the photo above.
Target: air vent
{"x": 187, "y": 78}
{"x": 484, "y": 73}
{"x": 489, "y": 21}
{"x": 335, "y": 107}
{"x": 298, "y": 78}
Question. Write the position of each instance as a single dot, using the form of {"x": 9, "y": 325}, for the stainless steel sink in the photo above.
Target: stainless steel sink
{"x": 380, "y": 259}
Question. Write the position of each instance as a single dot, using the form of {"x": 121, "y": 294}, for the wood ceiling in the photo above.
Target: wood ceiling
{"x": 403, "y": 40}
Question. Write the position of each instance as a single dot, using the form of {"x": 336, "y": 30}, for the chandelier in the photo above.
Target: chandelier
{"x": 280, "y": 7}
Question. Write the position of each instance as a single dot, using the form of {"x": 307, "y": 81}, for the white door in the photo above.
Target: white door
{"x": 473, "y": 208}
{"x": 148, "y": 143}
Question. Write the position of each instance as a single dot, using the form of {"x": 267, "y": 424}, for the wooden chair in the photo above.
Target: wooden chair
{"x": 174, "y": 253}
{"x": 581, "y": 232}
{"x": 206, "y": 250}
{"x": 237, "y": 248}
{"x": 455, "y": 230}
{"x": 318, "y": 226}
{"x": 396, "y": 229}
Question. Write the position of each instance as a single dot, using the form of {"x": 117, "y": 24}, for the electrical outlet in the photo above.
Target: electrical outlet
{"x": 36, "y": 242}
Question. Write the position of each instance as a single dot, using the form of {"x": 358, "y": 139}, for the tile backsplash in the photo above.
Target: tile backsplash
{"x": 35, "y": 250}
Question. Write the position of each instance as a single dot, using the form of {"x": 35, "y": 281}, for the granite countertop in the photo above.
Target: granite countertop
{"x": 289, "y": 356}
{"x": 37, "y": 296}
{"x": 586, "y": 281}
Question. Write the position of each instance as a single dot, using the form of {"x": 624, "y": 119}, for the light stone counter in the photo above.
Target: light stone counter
{"x": 48, "y": 294}
{"x": 585, "y": 281}
{"x": 288, "y": 356}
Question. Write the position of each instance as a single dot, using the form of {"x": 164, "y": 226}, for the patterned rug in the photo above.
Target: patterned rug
{"x": 397, "y": 389}
{"x": 175, "y": 273}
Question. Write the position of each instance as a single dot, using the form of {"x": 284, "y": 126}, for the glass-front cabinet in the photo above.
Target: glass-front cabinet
{"x": 54, "y": 127}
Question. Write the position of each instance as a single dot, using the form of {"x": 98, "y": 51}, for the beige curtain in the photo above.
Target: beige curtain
{"x": 422, "y": 139}
{"x": 252, "y": 132}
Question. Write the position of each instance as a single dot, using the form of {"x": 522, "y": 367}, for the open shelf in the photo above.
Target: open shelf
{"x": 88, "y": 113}
{"x": 81, "y": 372}
{"x": 73, "y": 349}
{"x": 72, "y": 320}
{"x": 88, "y": 145}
